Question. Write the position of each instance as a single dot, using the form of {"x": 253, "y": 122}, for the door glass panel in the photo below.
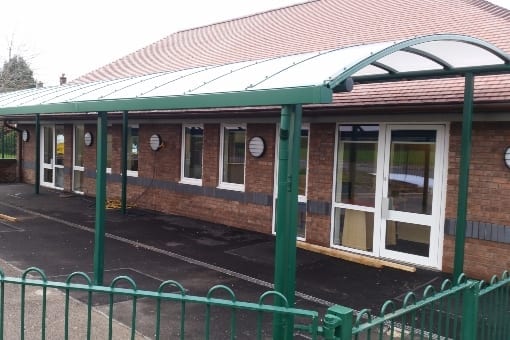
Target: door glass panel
{"x": 303, "y": 162}
{"x": 59, "y": 144}
{"x": 48, "y": 175}
{"x": 78, "y": 180}
{"x": 411, "y": 172}
{"x": 48, "y": 146}
{"x": 408, "y": 238}
{"x": 353, "y": 228}
{"x": 59, "y": 177}
{"x": 193, "y": 150}
{"x": 357, "y": 164}
{"x": 78, "y": 145}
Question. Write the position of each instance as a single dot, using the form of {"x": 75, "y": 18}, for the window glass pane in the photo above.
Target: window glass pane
{"x": 48, "y": 146}
{"x": 411, "y": 178}
{"x": 353, "y": 228}
{"x": 408, "y": 238}
{"x": 357, "y": 164}
{"x": 193, "y": 146}
{"x": 78, "y": 145}
{"x": 48, "y": 175}
{"x": 233, "y": 155}
{"x": 59, "y": 142}
{"x": 133, "y": 149}
{"x": 303, "y": 162}
{"x": 78, "y": 180}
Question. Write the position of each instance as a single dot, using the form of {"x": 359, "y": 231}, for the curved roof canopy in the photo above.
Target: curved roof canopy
{"x": 308, "y": 78}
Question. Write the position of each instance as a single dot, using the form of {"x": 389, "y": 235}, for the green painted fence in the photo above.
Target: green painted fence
{"x": 8, "y": 142}
{"x": 467, "y": 310}
{"x": 189, "y": 316}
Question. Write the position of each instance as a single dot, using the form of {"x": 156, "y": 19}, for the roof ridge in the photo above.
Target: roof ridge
{"x": 303, "y": 2}
{"x": 491, "y": 7}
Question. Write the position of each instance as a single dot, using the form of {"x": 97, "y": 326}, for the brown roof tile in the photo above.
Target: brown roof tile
{"x": 323, "y": 24}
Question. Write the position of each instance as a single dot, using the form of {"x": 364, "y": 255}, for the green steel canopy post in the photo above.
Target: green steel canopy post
{"x": 102, "y": 124}
{"x": 286, "y": 214}
{"x": 124, "y": 160}
{"x": 37, "y": 153}
{"x": 465, "y": 157}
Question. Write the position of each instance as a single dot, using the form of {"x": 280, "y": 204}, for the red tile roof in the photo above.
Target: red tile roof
{"x": 323, "y": 24}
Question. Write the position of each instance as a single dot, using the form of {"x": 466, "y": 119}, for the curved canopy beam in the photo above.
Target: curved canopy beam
{"x": 453, "y": 54}
{"x": 306, "y": 78}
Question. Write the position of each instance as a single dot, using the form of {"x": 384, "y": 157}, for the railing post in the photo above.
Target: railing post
{"x": 37, "y": 153}
{"x": 102, "y": 123}
{"x": 338, "y": 323}
{"x": 123, "y": 161}
{"x": 470, "y": 311}
{"x": 465, "y": 157}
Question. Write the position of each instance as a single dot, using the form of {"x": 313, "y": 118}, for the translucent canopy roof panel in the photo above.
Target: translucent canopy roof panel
{"x": 246, "y": 83}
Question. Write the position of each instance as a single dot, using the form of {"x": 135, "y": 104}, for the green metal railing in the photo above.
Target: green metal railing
{"x": 494, "y": 309}
{"x": 220, "y": 318}
{"x": 8, "y": 142}
{"x": 468, "y": 310}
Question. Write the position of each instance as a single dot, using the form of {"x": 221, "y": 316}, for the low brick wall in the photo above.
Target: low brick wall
{"x": 8, "y": 170}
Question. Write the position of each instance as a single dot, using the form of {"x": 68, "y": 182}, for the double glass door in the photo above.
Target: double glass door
{"x": 388, "y": 191}
{"x": 52, "y": 152}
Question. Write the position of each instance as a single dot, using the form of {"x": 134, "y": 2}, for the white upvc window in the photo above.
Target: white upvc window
{"x": 132, "y": 150}
{"x": 232, "y": 156}
{"x": 192, "y": 153}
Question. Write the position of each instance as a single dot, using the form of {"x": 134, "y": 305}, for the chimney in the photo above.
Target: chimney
{"x": 63, "y": 79}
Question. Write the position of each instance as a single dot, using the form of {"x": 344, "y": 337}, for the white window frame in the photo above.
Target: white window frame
{"x": 132, "y": 173}
{"x": 184, "y": 179}
{"x": 228, "y": 185}
{"x": 442, "y": 146}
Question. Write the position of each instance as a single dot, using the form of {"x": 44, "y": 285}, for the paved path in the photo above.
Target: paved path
{"x": 54, "y": 231}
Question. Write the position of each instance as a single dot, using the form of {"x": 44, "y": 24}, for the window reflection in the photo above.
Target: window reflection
{"x": 357, "y": 164}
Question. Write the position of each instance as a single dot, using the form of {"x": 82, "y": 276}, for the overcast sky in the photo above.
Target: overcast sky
{"x": 74, "y": 37}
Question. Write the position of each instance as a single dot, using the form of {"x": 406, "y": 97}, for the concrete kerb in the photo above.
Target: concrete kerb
{"x": 55, "y": 305}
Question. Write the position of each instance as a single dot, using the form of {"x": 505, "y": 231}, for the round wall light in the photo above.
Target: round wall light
{"x": 256, "y": 146}
{"x": 155, "y": 142}
{"x": 25, "y": 135}
{"x": 88, "y": 138}
{"x": 507, "y": 157}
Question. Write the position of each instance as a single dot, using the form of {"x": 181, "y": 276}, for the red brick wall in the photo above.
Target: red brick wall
{"x": 260, "y": 171}
{"x": 68, "y": 157}
{"x": 482, "y": 259}
{"x": 489, "y": 196}
{"x": 320, "y": 179}
{"x": 210, "y": 161}
{"x": 28, "y": 175}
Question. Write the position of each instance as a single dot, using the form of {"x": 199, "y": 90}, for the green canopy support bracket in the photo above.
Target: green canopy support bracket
{"x": 102, "y": 126}
{"x": 37, "y": 153}
{"x": 123, "y": 199}
{"x": 465, "y": 157}
{"x": 286, "y": 214}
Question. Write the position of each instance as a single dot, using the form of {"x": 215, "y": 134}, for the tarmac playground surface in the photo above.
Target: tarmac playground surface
{"x": 54, "y": 231}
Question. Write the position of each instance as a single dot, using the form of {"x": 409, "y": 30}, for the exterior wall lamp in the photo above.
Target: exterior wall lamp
{"x": 507, "y": 157}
